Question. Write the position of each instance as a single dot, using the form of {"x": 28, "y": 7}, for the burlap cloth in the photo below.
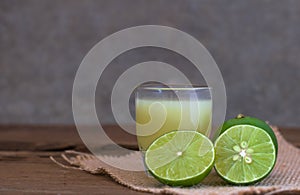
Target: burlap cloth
{"x": 285, "y": 177}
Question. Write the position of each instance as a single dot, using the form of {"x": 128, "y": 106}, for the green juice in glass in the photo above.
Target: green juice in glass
{"x": 187, "y": 114}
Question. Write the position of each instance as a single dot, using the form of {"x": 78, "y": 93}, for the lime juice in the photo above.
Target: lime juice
{"x": 156, "y": 117}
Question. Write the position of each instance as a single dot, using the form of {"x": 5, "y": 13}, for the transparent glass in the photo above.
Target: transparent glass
{"x": 161, "y": 109}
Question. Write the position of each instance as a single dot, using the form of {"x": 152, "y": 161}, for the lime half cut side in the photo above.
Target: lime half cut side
{"x": 180, "y": 158}
{"x": 244, "y": 154}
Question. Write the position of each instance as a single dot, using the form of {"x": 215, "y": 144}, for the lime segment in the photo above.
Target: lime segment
{"x": 180, "y": 158}
{"x": 244, "y": 154}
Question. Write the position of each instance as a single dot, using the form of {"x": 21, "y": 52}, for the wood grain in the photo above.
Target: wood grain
{"x": 25, "y": 166}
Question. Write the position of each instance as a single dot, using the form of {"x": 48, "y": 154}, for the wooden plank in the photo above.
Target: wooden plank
{"x": 54, "y": 138}
{"x": 25, "y": 166}
{"x": 292, "y": 135}
{"x": 59, "y": 138}
{"x": 35, "y": 173}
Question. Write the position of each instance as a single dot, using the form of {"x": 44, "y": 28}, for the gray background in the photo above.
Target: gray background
{"x": 42, "y": 42}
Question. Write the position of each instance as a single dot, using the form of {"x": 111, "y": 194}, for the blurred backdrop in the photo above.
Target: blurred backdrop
{"x": 42, "y": 42}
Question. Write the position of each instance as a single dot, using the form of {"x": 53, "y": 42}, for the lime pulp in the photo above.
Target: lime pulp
{"x": 244, "y": 154}
{"x": 180, "y": 158}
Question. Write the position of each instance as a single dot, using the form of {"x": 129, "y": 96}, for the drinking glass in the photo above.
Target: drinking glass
{"x": 161, "y": 109}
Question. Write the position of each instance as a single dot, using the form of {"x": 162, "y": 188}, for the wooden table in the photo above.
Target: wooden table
{"x": 25, "y": 166}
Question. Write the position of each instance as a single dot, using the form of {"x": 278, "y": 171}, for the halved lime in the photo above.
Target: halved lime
{"x": 245, "y": 154}
{"x": 180, "y": 158}
{"x": 247, "y": 120}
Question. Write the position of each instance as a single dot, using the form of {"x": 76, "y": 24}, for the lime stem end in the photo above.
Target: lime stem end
{"x": 240, "y": 116}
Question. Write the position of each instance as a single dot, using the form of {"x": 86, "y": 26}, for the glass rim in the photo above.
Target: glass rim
{"x": 175, "y": 87}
